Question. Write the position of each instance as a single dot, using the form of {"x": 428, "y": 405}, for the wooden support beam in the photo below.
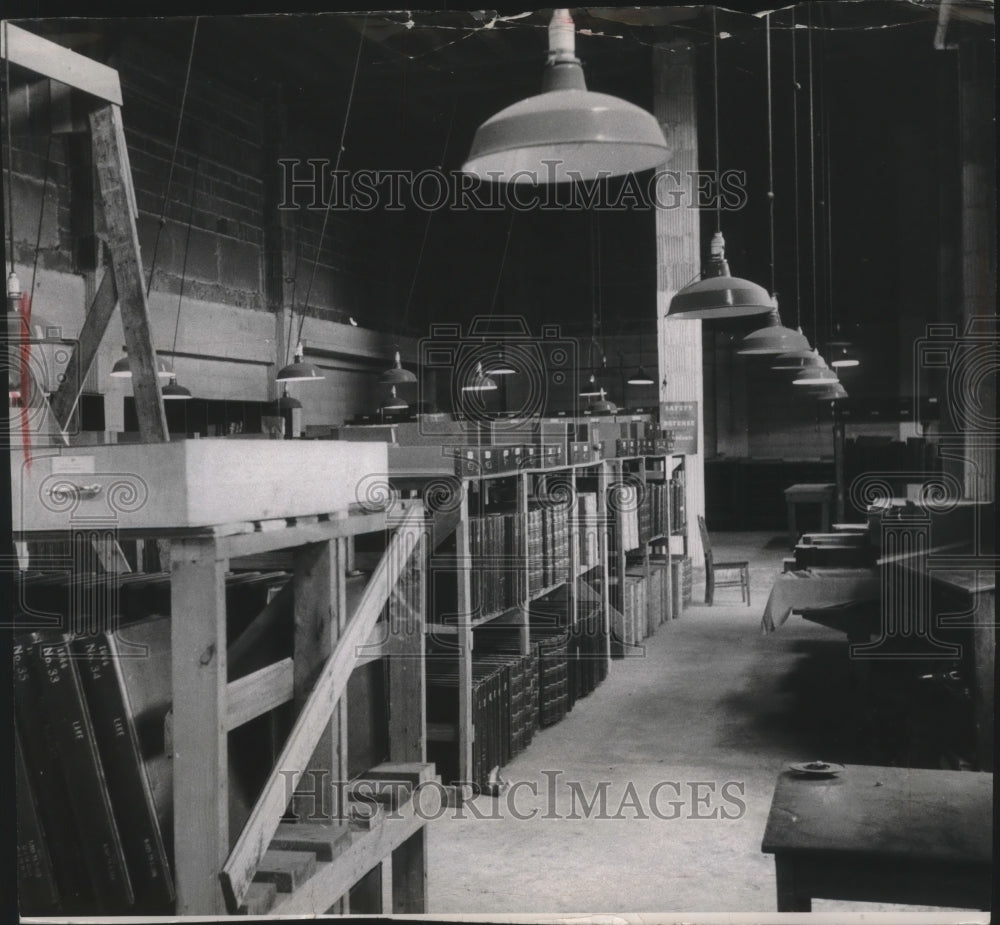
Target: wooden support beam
{"x": 409, "y": 875}
{"x": 315, "y": 582}
{"x": 69, "y": 67}
{"x": 101, "y": 309}
{"x": 258, "y": 693}
{"x": 405, "y": 664}
{"x": 200, "y": 746}
{"x": 114, "y": 184}
{"x": 313, "y": 721}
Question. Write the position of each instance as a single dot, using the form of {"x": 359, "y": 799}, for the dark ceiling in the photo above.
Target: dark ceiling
{"x": 426, "y": 79}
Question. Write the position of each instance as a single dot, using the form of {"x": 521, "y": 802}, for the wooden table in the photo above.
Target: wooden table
{"x": 822, "y": 493}
{"x": 874, "y": 834}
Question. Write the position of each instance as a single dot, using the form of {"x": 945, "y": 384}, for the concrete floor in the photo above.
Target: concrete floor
{"x": 697, "y": 729}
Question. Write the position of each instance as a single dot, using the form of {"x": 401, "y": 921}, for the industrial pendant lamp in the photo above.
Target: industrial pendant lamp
{"x": 640, "y": 377}
{"x": 774, "y": 338}
{"x": 718, "y": 294}
{"x": 602, "y": 405}
{"x": 815, "y": 376}
{"x": 833, "y": 392}
{"x": 299, "y": 370}
{"x": 501, "y": 365}
{"x": 396, "y": 375}
{"x": 797, "y": 359}
{"x": 842, "y": 356}
{"x": 590, "y": 388}
{"x": 842, "y": 353}
{"x": 480, "y": 382}
{"x": 566, "y": 132}
{"x": 286, "y": 402}
{"x": 395, "y": 403}
{"x": 174, "y": 392}
{"x": 123, "y": 370}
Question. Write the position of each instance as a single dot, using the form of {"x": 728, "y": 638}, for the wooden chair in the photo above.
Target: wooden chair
{"x": 711, "y": 567}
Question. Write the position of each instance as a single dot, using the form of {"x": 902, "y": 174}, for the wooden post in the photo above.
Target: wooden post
{"x": 201, "y": 800}
{"x": 315, "y": 581}
{"x": 466, "y": 731}
{"x": 524, "y": 621}
{"x": 604, "y": 553}
{"x": 405, "y": 662}
{"x": 409, "y": 874}
{"x": 114, "y": 184}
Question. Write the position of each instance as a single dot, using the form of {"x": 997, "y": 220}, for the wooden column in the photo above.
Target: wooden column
{"x": 200, "y": 748}
{"x": 405, "y": 663}
{"x": 114, "y": 184}
{"x": 409, "y": 875}
{"x": 466, "y": 731}
{"x": 678, "y": 257}
{"x": 604, "y": 554}
{"x": 317, "y": 584}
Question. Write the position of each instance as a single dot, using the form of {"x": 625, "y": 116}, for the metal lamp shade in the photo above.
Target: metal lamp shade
{"x": 641, "y": 377}
{"x": 500, "y": 366}
{"x": 603, "y": 405}
{"x": 299, "y": 371}
{"x": 479, "y": 382}
{"x": 395, "y": 403}
{"x": 815, "y": 376}
{"x": 565, "y": 133}
{"x": 797, "y": 359}
{"x": 396, "y": 375}
{"x": 123, "y": 370}
{"x": 772, "y": 339}
{"x": 833, "y": 392}
{"x": 287, "y": 403}
{"x": 174, "y": 392}
{"x": 722, "y": 296}
{"x": 560, "y": 136}
{"x": 842, "y": 356}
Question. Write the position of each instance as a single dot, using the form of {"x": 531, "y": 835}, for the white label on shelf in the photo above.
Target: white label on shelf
{"x": 66, "y": 465}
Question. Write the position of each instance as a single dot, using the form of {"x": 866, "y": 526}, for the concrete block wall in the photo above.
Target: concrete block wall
{"x": 229, "y": 339}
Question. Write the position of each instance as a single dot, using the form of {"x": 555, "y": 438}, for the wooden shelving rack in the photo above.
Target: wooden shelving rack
{"x": 325, "y": 860}
{"x": 530, "y": 482}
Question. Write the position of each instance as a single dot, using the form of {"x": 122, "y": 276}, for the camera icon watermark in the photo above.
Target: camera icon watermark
{"x": 36, "y": 362}
{"x": 959, "y": 371}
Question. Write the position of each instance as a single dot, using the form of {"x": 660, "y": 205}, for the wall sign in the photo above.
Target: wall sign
{"x": 679, "y": 421}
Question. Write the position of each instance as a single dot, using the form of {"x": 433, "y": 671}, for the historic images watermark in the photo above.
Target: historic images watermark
{"x": 313, "y": 183}
{"x": 318, "y": 797}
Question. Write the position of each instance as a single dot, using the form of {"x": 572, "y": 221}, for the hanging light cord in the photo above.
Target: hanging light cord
{"x": 795, "y": 174}
{"x": 10, "y": 144}
{"x": 41, "y": 216}
{"x": 825, "y": 121}
{"x": 503, "y": 260}
{"x": 336, "y": 168}
{"x": 812, "y": 176}
{"x": 427, "y": 228}
{"x": 187, "y": 239}
{"x": 715, "y": 103}
{"x": 770, "y": 146}
{"x": 173, "y": 160}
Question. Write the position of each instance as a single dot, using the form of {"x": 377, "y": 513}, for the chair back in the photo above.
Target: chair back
{"x": 706, "y": 543}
